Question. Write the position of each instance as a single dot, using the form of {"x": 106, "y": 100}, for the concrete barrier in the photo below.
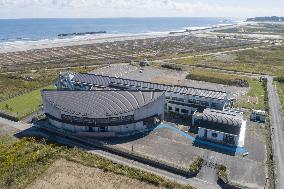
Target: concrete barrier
{"x": 8, "y": 116}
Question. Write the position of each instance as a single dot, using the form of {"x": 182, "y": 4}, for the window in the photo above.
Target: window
{"x": 184, "y": 111}
{"x": 178, "y": 99}
{"x": 170, "y": 108}
{"x": 191, "y": 101}
{"x": 103, "y": 129}
{"x": 215, "y": 135}
{"x": 177, "y": 109}
{"x": 204, "y": 103}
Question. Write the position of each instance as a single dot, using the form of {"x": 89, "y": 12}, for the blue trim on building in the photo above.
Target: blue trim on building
{"x": 199, "y": 141}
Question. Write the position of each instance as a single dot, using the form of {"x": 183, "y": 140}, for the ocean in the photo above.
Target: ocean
{"x": 20, "y": 30}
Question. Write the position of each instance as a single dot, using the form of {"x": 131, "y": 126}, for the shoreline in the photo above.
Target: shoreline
{"x": 17, "y": 46}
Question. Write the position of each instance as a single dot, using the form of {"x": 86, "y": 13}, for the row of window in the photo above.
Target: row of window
{"x": 178, "y": 110}
{"x": 190, "y": 101}
{"x": 74, "y": 119}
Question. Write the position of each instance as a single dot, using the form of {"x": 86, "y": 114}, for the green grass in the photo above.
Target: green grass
{"x": 255, "y": 96}
{"x": 22, "y": 161}
{"x": 22, "y": 106}
{"x": 280, "y": 90}
{"x": 18, "y": 83}
{"x": 21, "y": 82}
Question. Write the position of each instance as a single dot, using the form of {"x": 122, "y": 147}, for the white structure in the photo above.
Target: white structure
{"x": 221, "y": 126}
{"x": 258, "y": 115}
{"x": 105, "y": 113}
{"x": 180, "y": 99}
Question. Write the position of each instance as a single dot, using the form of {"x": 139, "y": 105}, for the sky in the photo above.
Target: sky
{"x": 139, "y": 8}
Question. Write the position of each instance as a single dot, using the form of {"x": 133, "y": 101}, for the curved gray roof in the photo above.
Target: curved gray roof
{"x": 224, "y": 120}
{"x": 105, "y": 81}
{"x": 99, "y": 104}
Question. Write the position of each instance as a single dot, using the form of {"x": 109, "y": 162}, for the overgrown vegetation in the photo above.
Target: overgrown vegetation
{"x": 279, "y": 79}
{"x": 21, "y": 82}
{"x": 217, "y": 77}
{"x": 21, "y": 161}
{"x": 172, "y": 67}
{"x": 260, "y": 61}
{"x": 280, "y": 91}
{"x": 254, "y": 98}
{"x": 196, "y": 165}
{"x": 15, "y": 84}
{"x": 25, "y": 159}
{"x": 222, "y": 173}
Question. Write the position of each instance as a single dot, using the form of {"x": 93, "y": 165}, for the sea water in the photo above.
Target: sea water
{"x": 12, "y": 30}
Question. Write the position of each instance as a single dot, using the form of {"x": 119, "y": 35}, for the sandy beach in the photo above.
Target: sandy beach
{"x": 16, "y": 46}
{"x": 82, "y": 40}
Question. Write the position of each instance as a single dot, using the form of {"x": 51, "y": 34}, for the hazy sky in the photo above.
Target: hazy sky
{"x": 139, "y": 8}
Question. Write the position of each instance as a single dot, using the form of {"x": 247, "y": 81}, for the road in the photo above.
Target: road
{"x": 195, "y": 182}
{"x": 277, "y": 132}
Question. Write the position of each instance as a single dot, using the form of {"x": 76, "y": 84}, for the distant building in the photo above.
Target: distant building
{"x": 105, "y": 112}
{"x": 224, "y": 127}
{"x": 144, "y": 63}
{"x": 179, "y": 99}
{"x": 258, "y": 116}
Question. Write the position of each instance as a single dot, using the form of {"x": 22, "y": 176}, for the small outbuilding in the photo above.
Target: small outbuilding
{"x": 258, "y": 116}
{"x": 224, "y": 127}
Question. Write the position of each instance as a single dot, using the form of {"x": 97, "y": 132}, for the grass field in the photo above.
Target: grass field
{"x": 23, "y": 105}
{"x": 254, "y": 98}
{"x": 24, "y": 160}
{"x": 18, "y": 83}
{"x": 212, "y": 76}
{"x": 280, "y": 90}
{"x": 264, "y": 61}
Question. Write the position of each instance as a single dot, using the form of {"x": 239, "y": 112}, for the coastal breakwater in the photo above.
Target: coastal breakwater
{"x": 80, "y": 34}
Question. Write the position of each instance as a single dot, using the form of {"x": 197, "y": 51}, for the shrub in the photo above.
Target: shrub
{"x": 222, "y": 173}
{"x": 172, "y": 67}
{"x": 196, "y": 165}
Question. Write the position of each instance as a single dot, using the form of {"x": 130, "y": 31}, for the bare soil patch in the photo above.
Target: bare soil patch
{"x": 66, "y": 175}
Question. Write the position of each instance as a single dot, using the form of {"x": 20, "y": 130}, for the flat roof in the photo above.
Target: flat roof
{"x": 105, "y": 81}
{"x": 99, "y": 104}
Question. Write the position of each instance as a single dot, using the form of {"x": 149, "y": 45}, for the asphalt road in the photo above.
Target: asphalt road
{"x": 277, "y": 132}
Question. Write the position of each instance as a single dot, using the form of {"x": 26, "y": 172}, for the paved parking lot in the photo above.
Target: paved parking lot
{"x": 169, "y": 146}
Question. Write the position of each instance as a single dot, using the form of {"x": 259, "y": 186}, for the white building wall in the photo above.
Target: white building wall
{"x": 210, "y": 133}
{"x": 154, "y": 108}
{"x": 240, "y": 141}
{"x": 201, "y": 132}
